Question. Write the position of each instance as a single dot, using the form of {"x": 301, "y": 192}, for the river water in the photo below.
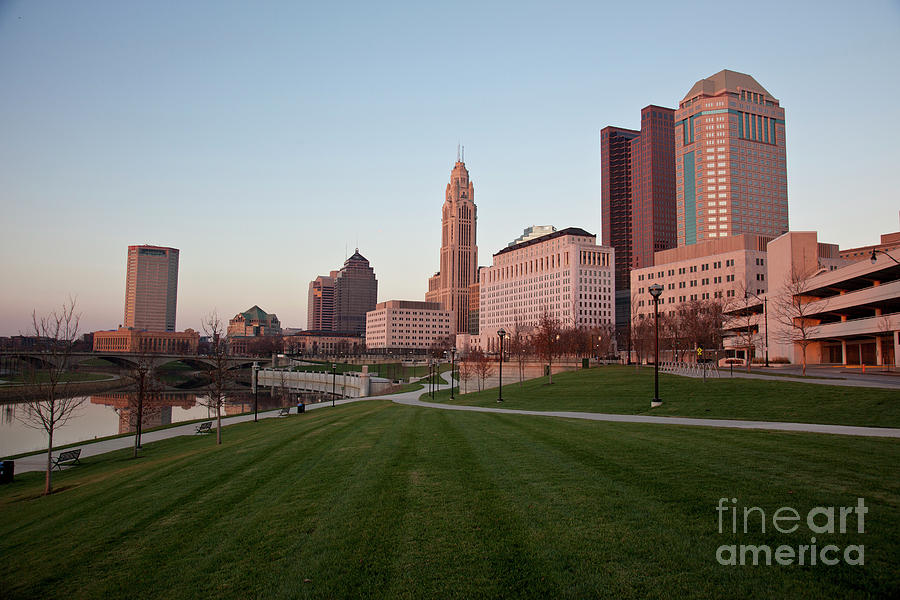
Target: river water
{"x": 108, "y": 414}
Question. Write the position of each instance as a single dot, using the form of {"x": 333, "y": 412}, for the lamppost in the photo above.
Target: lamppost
{"x": 333, "y": 381}
{"x": 255, "y": 392}
{"x": 431, "y": 376}
{"x": 874, "y": 258}
{"x": 452, "y": 370}
{"x": 765, "y": 302}
{"x": 502, "y": 334}
{"x": 656, "y": 290}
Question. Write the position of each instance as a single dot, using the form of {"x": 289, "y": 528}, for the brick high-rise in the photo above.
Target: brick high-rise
{"x": 320, "y": 307}
{"x": 637, "y": 196}
{"x": 151, "y": 288}
{"x": 355, "y": 294}
{"x": 459, "y": 252}
{"x": 730, "y": 164}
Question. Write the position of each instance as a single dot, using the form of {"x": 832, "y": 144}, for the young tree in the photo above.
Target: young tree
{"x": 144, "y": 389}
{"x": 520, "y": 348}
{"x": 46, "y": 391}
{"x": 483, "y": 366}
{"x": 742, "y": 319}
{"x": 219, "y": 374}
{"x": 546, "y": 339}
{"x": 793, "y": 309}
{"x": 466, "y": 372}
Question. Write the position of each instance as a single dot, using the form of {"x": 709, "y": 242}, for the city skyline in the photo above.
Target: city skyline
{"x": 125, "y": 125}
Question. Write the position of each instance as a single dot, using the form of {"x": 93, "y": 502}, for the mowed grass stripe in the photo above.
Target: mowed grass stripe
{"x": 380, "y": 500}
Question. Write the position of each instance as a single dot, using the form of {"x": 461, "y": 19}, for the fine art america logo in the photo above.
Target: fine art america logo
{"x": 820, "y": 520}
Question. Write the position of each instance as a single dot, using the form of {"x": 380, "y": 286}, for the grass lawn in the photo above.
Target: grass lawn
{"x": 379, "y": 500}
{"x": 627, "y": 390}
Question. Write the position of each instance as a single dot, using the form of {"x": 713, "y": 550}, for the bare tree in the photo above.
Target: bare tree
{"x": 604, "y": 338}
{"x": 46, "y": 390}
{"x": 546, "y": 338}
{"x": 483, "y": 366}
{"x": 793, "y": 311}
{"x": 520, "y": 348}
{"x": 144, "y": 389}
{"x": 219, "y": 374}
{"x": 742, "y": 320}
{"x": 466, "y": 372}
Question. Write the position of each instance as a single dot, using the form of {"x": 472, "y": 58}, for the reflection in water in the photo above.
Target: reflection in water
{"x": 114, "y": 413}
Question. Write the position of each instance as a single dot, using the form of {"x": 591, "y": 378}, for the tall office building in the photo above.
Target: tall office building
{"x": 320, "y": 308}
{"x": 638, "y": 196}
{"x": 730, "y": 164}
{"x": 151, "y": 288}
{"x": 459, "y": 252}
{"x": 355, "y": 294}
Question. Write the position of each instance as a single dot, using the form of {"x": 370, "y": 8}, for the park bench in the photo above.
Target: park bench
{"x": 204, "y": 427}
{"x": 68, "y": 455}
{"x": 285, "y": 411}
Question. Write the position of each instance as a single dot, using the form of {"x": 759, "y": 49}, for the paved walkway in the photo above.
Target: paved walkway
{"x": 847, "y": 379}
{"x": 38, "y": 462}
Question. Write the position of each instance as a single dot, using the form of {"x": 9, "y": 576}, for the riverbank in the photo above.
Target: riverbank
{"x": 21, "y": 393}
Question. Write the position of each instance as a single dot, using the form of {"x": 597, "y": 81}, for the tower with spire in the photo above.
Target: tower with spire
{"x": 459, "y": 252}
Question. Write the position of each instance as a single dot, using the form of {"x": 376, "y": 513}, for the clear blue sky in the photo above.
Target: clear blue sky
{"x": 264, "y": 139}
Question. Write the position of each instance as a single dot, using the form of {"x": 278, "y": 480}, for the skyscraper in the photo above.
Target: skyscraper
{"x": 730, "y": 164}
{"x": 459, "y": 252}
{"x": 355, "y": 294}
{"x": 637, "y": 196}
{"x": 320, "y": 309}
{"x": 151, "y": 288}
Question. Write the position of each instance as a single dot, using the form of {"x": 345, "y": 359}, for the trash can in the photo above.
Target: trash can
{"x": 546, "y": 370}
{"x": 301, "y": 408}
{"x": 7, "y": 468}
{"x": 585, "y": 363}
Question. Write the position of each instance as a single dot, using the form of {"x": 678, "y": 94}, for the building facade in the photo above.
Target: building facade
{"x": 323, "y": 343}
{"x": 730, "y": 165}
{"x": 320, "y": 306}
{"x": 151, "y": 288}
{"x": 459, "y": 252}
{"x": 889, "y": 242}
{"x": 638, "y": 195}
{"x": 720, "y": 270}
{"x": 254, "y": 322}
{"x": 407, "y": 325}
{"x": 564, "y": 274}
{"x": 355, "y": 294}
{"x": 128, "y": 339}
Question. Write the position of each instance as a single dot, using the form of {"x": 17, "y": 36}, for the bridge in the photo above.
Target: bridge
{"x": 126, "y": 360}
{"x": 344, "y": 385}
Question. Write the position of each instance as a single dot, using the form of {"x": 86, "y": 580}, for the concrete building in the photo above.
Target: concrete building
{"x": 565, "y": 274}
{"x": 355, "y": 294}
{"x": 638, "y": 195}
{"x": 407, "y": 325}
{"x": 845, "y": 312}
{"x": 323, "y": 343}
{"x": 720, "y": 270}
{"x": 254, "y": 322}
{"x": 730, "y": 165}
{"x": 535, "y": 231}
{"x": 320, "y": 306}
{"x": 459, "y": 252}
{"x": 151, "y": 288}
{"x": 129, "y": 339}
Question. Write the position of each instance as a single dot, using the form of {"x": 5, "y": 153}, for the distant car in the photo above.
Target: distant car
{"x": 737, "y": 362}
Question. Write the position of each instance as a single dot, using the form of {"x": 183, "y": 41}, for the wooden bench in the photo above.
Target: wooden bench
{"x": 204, "y": 428}
{"x": 68, "y": 455}
{"x": 285, "y": 411}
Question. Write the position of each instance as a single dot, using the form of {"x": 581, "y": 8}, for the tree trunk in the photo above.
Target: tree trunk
{"x": 48, "y": 487}
{"x": 218, "y": 422}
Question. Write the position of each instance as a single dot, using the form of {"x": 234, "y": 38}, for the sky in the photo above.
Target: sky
{"x": 267, "y": 140}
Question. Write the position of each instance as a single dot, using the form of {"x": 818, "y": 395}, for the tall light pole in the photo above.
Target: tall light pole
{"x": 765, "y": 302}
{"x": 452, "y": 370}
{"x": 333, "y": 381}
{"x": 255, "y": 391}
{"x": 656, "y": 290}
{"x": 502, "y": 334}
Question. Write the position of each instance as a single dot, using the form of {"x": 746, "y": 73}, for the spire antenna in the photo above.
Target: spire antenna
{"x": 457, "y": 151}
{"x": 463, "y": 154}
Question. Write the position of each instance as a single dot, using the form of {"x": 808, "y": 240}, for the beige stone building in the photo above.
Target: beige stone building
{"x": 565, "y": 274}
{"x": 407, "y": 325}
{"x": 151, "y": 288}
{"x": 254, "y": 322}
{"x": 128, "y": 339}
